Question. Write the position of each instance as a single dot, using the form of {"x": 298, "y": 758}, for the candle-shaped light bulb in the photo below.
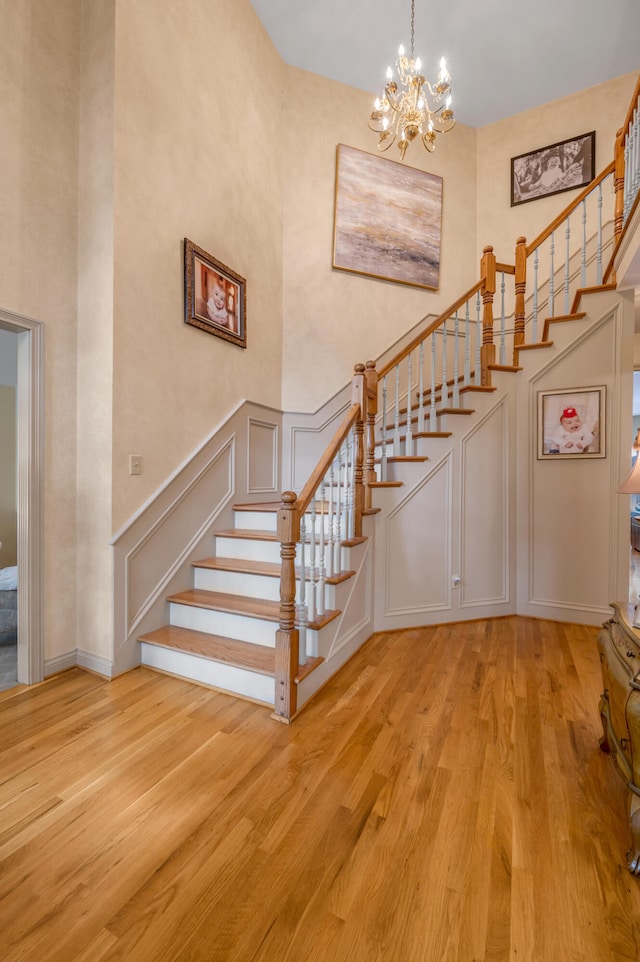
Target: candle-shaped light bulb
{"x": 448, "y": 101}
{"x": 401, "y": 50}
{"x": 377, "y": 104}
{"x": 418, "y": 63}
{"x": 389, "y": 73}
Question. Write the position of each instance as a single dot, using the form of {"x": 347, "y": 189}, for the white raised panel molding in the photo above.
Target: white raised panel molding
{"x": 485, "y": 510}
{"x": 262, "y": 457}
{"x": 417, "y": 559}
{"x": 576, "y": 523}
{"x": 147, "y": 574}
{"x": 30, "y": 492}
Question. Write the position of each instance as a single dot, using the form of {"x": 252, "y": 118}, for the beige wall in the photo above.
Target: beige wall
{"x": 600, "y": 108}
{"x": 199, "y": 155}
{"x": 38, "y": 244}
{"x": 333, "y": 319}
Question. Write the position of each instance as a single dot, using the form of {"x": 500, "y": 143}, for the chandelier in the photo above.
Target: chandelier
{"x": 411, "y": 107}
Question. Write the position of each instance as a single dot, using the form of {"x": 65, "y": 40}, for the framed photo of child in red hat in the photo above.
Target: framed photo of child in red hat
{"x": 571, "y": 424}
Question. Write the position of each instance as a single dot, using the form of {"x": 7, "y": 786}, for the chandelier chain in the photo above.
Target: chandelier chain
{"x": 413, "y": 4}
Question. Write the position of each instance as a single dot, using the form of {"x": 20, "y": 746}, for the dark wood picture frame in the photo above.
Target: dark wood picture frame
{"x": 561, "y": 438}
{"x": 215, "y": 296}
{"x": 552, "y": 170}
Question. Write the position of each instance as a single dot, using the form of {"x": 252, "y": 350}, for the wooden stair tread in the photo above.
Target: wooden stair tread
{"x": 478, "y": 388}
{"x": 268, "y": 569}
{"x": 565, "y": 317}
{"x": 386, "y": 484}
{"x": 510, "y": 368}
{"x": 258, "y": 506}
{"x": 406, "y": 457}
{"x": 242, "y": 654}
{"x": 533, "y": 347}
{"x": 247, "y": 534}
{"x": 232, "y": 604}
{"x": 455, "y": 411}
{"x": 241, "y": 605}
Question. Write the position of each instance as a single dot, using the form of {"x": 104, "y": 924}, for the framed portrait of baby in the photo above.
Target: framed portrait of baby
{"x": 571, "y": 424}
{"x": 215, "y": 296}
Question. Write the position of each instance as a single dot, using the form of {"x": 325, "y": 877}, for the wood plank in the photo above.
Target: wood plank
{"x": 234, "y": 604}
{"x": 243, "y": 654}
{"x": 443, "y": 797}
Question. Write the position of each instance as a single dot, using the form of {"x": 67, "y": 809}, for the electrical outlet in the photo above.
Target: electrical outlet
{"x": 135, "y": 464}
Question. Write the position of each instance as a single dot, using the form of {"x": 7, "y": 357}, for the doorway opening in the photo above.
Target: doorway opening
{"x": 26, "y": 341}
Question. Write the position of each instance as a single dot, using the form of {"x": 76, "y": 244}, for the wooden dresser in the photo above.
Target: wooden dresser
{"x": 619, "y": 646}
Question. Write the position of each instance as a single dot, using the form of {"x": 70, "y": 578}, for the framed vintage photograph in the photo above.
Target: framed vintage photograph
{"x": 571, "y": 424}
{"x": 214, "y": 296}
{"x": 550, "y": 170}
{"x": 388, "y": 219}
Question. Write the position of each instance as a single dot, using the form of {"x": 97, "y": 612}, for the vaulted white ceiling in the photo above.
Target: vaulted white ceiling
{"x": 504, "y": 56}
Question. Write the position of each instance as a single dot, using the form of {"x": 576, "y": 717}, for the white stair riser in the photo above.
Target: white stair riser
{"x": 237, "y": 583}
{"x": 241, "y": 681}
{"x": 224, "y": 623}
{"x": 247, "y": 550}
{"x": 255, "y": 520}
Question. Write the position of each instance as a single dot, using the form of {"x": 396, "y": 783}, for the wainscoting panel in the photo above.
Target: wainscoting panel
{"x": 262, "y": 457}
{"x": 146, "y": 562}
{"x": 484, "y": 550}
{"x": 418, "y": 556}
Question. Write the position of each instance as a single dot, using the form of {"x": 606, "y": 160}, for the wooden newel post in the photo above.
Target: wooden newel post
{"x": 358, "y": 396}
{"x": 371, "y": 390}
{"x": 520, "y": 289}
{"x": 618, "y": 186}
{"x": 287, "y": 637}
{"x": 488, "y": 350}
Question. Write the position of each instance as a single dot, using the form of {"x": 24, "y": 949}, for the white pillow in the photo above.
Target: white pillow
{"x": 9, "y": 578}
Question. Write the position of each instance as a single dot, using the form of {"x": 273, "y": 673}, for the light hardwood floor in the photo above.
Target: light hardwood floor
{"x": 443, "y": 798}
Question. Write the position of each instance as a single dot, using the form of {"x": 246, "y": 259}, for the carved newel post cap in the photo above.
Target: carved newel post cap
{"x": 358, "y": 368}
{"x": 488, "y": 249}
{"x": 521, "y": 240}
{"x": 289, "y": 497}
{"x": 370, "y": 365}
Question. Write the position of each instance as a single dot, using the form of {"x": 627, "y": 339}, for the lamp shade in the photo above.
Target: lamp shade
{"x": 632, "y": 483}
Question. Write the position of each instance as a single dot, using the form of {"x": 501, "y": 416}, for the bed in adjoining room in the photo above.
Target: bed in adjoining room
{"x": 8, "y": 605}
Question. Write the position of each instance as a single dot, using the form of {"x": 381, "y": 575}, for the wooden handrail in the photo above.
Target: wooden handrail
{"x": 609, "y": 274}
{"x": 505, "y": 268}
{"x": 429, "y": 330}
{"x": 325, "y": 462}
{"x": 562, "y": 216}
{"x": 632, "y": 106}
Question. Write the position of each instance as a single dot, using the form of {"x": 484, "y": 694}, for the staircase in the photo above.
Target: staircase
{"x": 222, "y": 630}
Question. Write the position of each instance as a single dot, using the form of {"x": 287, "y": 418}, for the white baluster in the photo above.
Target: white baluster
{"x": 433, "y": 424}
{"x": 467, "y": 345}
{"x": 312, "y": 604}
{"x": 456, "y": 386}
{"x": 566, "y": 266}
{"x": 383, "y": 453}
{"x": 302, "y": 608}
{"x": 320, "y": 599}
{"x": 534, "y": 318}
{"x": 599, "y": 239}
{"x": 552, "y": 277}
{"x": 396, "y": 430}
{"x": 503, "y": 331}
{"x": 628, "y": 178}
{"x": 350, "y": 471}
{"x": 421, "y": 389}
{"x": 583, "y": 262}
{"x": 444, "y": 393}
{"x": 478, "y": 338}
{"x": 330, "y": 523}
{"x": 337, "y": 519}
{"x": 408, "y": 440}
